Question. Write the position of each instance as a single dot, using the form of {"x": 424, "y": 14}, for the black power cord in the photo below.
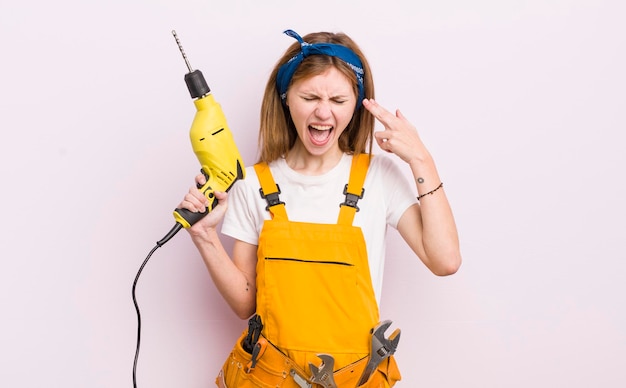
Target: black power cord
{"x": 159, "y": 244}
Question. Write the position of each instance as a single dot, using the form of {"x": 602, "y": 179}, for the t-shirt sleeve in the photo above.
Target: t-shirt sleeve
{"x": 242, "y": 220}
{"x": 398, "y": 193}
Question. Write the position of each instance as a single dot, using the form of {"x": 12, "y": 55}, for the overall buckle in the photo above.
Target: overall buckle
{"x": 271, "y": 198}
{"x": 351, "y": 199}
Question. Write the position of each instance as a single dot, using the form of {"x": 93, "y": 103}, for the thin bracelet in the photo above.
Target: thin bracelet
{"x": 430, "y": 192}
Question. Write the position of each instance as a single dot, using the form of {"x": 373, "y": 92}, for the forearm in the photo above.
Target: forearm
{"x": 439, "y": 235}
{"x": 428, "y": 228}
{"x": 236, "y": 287}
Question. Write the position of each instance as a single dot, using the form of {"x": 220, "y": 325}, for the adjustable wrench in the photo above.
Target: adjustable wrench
{"x": 381, "y": 349}
{"x": 301, "y": 381}
{"x": 324, "y": 374}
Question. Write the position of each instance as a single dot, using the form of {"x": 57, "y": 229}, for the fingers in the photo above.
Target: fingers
{"x": 383, "y": 141}
{"x": 392, "y": 122}
{"x": 389, "y": 120}
{"x": 381, "y": 114}
{"x": 221, "y": 196}
{"x": 200, "y": 180}
{"x": 195, "y": 200}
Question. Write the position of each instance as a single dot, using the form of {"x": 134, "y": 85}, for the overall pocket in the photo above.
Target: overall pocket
{"x": 386, "y": 375}
{"x": 271, "y": 370}
{"x": 301, "y": 316}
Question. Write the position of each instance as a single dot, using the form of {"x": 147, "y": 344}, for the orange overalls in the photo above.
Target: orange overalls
{"x": 314, "y": 295}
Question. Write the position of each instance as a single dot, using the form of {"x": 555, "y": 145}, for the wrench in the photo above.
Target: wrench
{"x": 381, "y": 349}
{"x": 301, "y": 381}
{"x": 324, "y": 374}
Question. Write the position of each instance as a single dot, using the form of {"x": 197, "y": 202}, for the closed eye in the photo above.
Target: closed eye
{"x": 336, "y": 100}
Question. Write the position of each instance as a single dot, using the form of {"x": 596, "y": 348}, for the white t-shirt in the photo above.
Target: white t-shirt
{"x": 316, "y": 199}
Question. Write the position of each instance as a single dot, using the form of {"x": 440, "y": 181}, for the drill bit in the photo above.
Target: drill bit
{"x": 180, "y": 47}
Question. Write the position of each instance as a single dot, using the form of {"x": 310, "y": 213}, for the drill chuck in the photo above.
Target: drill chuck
{"x": 196, "y": 84}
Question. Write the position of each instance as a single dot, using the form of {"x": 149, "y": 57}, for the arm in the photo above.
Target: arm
{"x": 234, "y": 279}
{"x": 428, "y": 228}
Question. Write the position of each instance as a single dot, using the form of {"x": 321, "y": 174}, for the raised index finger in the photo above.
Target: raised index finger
{"x": 381, "y": 114}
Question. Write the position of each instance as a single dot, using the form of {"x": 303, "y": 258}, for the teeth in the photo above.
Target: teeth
{"x": 322, "y": 127}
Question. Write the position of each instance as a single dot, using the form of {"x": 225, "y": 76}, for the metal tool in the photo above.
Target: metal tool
{"x": 382, "y": 348}
{"x": 301, "y": 381}
{"x": 324, "y": 374}
{"x": 255, "y": 326}
{"x": 257, "y": 353}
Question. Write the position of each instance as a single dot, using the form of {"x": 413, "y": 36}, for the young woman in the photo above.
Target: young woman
{"x": 309, "y": 223}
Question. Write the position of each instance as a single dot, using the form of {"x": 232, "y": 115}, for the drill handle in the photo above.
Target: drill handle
{"x": 186, "y": 217}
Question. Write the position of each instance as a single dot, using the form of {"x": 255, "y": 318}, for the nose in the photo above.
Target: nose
{"x": 323, "y": 109}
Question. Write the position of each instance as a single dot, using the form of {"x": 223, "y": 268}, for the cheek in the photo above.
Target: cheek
{"x": 296, "y": 115}
{"x": 299, "y": 112}
{"x": 299, "y": 119}
{"x": 346, "y": 116}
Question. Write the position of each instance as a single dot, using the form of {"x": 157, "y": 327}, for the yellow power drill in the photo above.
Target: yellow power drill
{"x": 214, "y": 146}
{"x": 218, "y": 155}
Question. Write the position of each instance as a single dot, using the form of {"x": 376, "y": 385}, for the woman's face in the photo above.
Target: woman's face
{"x": 321, "y": 108}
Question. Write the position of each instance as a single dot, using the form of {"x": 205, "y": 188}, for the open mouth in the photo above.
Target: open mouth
{"x": 320, "y": 134}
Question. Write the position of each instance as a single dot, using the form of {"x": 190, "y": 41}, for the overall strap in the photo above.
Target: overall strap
{"x": 269, "y": 191}
{"x": 354, "y": 189}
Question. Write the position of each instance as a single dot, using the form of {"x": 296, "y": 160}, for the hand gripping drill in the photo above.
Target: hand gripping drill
{"x": 214, "y": 146}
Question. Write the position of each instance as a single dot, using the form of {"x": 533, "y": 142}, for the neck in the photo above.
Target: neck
{"x": 300, "y": 160}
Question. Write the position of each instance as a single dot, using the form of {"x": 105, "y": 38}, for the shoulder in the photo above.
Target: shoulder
{"x": 383, "y": 167}
{"x": 248, "y": 184}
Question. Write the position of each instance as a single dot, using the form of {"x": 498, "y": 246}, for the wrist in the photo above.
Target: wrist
{"x": 431, "y": 192}
{"x": 425, "y": 174}
{"x": 204, "y": 235}
{"x": 421, "y": 161}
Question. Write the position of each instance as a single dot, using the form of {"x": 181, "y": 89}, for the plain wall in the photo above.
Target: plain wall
{"x": 521, "y": 104}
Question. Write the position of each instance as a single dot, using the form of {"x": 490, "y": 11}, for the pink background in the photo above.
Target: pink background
{"x": 520, "y": 102}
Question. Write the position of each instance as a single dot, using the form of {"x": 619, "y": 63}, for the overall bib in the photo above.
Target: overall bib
{"x": 314, "y": 295}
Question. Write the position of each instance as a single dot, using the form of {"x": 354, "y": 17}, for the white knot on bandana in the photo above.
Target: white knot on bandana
{"x": 286, "y": 71}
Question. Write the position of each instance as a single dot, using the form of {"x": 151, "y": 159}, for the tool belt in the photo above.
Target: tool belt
{"x": 271, "y": 368}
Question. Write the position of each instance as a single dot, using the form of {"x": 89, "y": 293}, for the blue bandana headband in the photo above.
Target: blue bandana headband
{"x": 285, "y": 72}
